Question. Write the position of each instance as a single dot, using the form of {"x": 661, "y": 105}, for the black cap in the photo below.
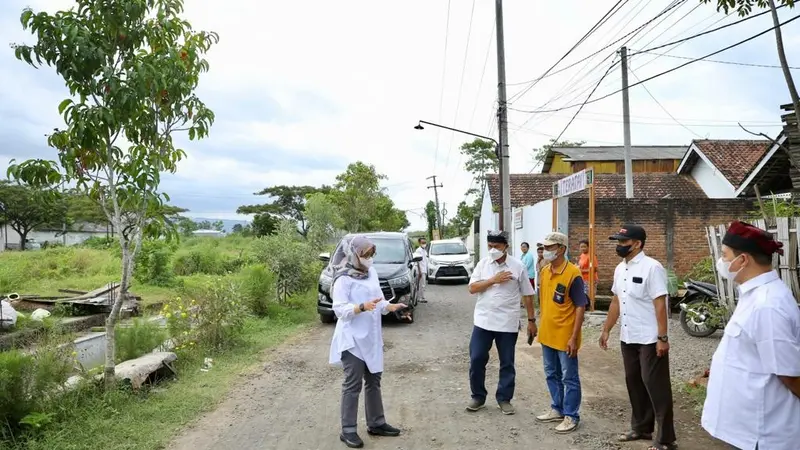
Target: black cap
{"x": 630, "y": 231}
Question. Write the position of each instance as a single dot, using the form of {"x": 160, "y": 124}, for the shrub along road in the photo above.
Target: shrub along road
{"x": 292, "y": 402}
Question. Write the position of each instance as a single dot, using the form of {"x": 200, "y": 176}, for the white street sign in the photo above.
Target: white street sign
{"x": 574, "y": 183}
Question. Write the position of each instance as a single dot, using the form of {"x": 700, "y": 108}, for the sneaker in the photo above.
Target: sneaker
{"x": 568, "y": 425}
{"x": 476, "y": 405}
{"x": 506, "y": 408}
{"x": 352, "y": 440}
{"x": 550, "y": 416}
{"x": 384, "y": 430}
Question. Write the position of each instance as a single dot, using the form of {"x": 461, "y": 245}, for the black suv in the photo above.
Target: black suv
{"x": 398, "y": 272}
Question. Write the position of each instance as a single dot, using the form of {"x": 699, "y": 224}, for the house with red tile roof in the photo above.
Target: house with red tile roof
{"x": 721, "y": 167}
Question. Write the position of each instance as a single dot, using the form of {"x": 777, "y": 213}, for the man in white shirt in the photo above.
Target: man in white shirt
{"x": 640, "y": 294}
{"x": 499, "y": 281}
{"x": 423, "y": 268}
{"x": 753, "y": 398}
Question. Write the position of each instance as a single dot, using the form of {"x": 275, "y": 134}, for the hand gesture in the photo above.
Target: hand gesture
{"x": 604, "y": 340}
{"x": 572, "y": 348}
{"x": 372, "y": 304}
{"x": 397, "y": 307}
{"x": 501, "y": 277}
{"x": 662, "y": 348}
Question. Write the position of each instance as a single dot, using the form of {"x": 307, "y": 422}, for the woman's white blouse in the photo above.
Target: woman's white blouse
{"x": 360, "y": 334}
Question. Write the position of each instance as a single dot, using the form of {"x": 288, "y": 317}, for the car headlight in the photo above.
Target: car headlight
{"x": 398, "y": 282}
{"x": 466, "y": 261}
{"x": 434, "y": 262}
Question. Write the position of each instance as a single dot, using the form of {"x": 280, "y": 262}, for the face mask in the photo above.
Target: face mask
{"x": 724, "y": 269}
{"x": 549, "y": 255}
{"x": 496, "y": 254}
{"x": 623, "y": 250}
{"x": 366, "y": 262}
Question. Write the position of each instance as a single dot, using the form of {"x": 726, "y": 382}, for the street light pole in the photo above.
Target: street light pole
{"x": 502, "y": 118}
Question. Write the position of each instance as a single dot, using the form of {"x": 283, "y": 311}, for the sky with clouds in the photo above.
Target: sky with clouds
{"x": 301, "y": 89}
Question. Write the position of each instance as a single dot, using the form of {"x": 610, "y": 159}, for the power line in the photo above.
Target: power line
{"x": 662, "y": 106}
{"x": 699, "y": 124}
{"x": 662, "y": 73}
{"x": 460, "y": 86}
{"x": 483, "y": 74}
{"x": 734, "y": 63}
{"x": 594, "y": 28}
{"x": 441, "y": 87}
{"x": 708, "y": 32}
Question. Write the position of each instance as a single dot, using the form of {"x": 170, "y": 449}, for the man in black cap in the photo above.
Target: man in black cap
{"x": 499, "y": 281}
{"x": 753, "y": 396}
{"x": 640, "y": 295}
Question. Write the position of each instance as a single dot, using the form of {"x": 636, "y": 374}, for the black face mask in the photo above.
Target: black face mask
{"x": 623, "y": 250}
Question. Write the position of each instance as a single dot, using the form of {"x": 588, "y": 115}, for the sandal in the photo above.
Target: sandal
{"x": 657, "y": 446}
{"x": 634, "y": 436}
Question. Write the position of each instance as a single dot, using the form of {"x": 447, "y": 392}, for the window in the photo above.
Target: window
{"x": 448, "y": 248}
{"x": 389, "y": 251}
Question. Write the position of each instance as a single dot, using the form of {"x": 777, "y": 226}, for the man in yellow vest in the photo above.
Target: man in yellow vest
{"x": 562, "y": 301}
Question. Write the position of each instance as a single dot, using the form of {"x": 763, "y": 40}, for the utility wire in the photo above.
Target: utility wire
{"x": 734, "y": 63}
{"x": 594, "y": 28}
{"x": 460, "y": 86}
{"x": 483, "y": 74}
{"x": 708, "y": 32}
{"x": 579, "y": 109}
{"x": 662, "y": 106}
{"x": 441, "y": 87}
{"x": 662, "y": 73}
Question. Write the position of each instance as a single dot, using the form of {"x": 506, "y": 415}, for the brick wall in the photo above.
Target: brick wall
{"x": 675, "y": 233}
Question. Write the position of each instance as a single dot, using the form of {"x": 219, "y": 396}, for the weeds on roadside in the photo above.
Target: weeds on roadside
{"x": 138, "y": 339}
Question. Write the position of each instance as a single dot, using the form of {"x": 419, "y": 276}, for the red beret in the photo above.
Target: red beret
{"x": 749, "y": 239}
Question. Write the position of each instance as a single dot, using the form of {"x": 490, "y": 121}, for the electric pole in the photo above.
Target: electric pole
{"x": 435, "y": 188}
{"x": 502, "y": 126}
{"x": 626, "y": 124}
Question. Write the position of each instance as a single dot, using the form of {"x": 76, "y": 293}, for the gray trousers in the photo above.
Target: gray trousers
{"x": 356, "y": 374}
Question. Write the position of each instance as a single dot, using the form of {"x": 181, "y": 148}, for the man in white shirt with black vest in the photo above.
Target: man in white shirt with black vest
{"x": 640, "y": 296}
{"x": 753, "y": 398}
{"x": 499, "y": 281}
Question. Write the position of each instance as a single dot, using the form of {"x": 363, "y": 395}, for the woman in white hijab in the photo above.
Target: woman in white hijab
{"x": 357, "y": 344}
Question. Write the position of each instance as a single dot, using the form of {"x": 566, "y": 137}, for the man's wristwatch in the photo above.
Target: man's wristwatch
{"x": 533, "y": 321}
{"x": 361, "y": 307}
{"x": 663, "y": 338}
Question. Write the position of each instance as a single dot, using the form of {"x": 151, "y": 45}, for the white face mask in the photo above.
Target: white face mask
{"x": 724, "y": 269}
{"x": 549, "y": 255}
{"x": 496, "y": 254}
{"x": 366, "y": 262}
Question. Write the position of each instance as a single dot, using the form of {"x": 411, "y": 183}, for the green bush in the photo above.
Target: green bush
{"x": 702, "y": 271}
{"x": 199, "y": 260}
{"x": 293, "y": 261}
{"x": 138, "y": 339}
{"x": 258, "y": 288}
{"x": 27, "y": 383}
{"x": 101, "y": 243}
{"x": 152, "y": 265}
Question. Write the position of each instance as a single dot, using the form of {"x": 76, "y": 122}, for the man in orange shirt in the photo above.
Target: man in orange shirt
{"x": 583, "y": 263}
{"x": 562, "y": 301}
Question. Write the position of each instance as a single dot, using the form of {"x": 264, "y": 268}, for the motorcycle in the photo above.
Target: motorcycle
{"x": 699, "y": 308}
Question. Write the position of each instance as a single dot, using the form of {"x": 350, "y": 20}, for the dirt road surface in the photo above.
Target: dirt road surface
{"x": 292, "y": 402}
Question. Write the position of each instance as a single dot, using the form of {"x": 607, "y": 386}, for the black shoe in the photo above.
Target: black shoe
{"x": 384, "y": 430}
{"x": 351, "y": 440}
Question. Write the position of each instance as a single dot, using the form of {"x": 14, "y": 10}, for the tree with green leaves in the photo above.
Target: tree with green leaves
{"x": 216, "y": 225}
{"x": 324, "y": 221}
{"x": 288, "y": 203}
{"x": 744, "y": 8}
{"x": 461, "y": 223}
{"x": 362, "y": 202}
{"x": 132, "y": 67}
{"x": 480, "y": 159}
{"x": 264, "y": 225}
{"x": 430, "y": 218}
{"x": 24, "y": 209}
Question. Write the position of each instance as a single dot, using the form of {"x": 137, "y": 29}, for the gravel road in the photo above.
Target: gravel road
{"x": 292, "y": 401}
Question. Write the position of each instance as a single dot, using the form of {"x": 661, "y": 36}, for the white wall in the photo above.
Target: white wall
{"x": 490, "y": 220}
{"x": 537, "y": 221}
{"x": 711, "y": 181}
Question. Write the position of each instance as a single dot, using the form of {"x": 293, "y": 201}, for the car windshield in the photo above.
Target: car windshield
{"x": 448, "y": 248}
{"x": 387, "y": 251}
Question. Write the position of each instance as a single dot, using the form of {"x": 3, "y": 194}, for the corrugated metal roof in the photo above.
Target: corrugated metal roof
{"x": 615, "y": 153}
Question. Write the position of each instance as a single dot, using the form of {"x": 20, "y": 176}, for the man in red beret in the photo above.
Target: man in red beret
{"x": 753, "y": 398}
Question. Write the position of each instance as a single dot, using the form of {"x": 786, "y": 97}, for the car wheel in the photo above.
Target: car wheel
{"x": 325, "y": 318}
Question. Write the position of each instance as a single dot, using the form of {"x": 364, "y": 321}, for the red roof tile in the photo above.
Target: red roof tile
{"x": 529, "y": 189}
{"x": 734, "y": 158}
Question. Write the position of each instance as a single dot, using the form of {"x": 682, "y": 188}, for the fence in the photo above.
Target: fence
{"x": 784, "y": 229}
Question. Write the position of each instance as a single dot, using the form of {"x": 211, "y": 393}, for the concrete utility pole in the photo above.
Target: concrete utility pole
{"x": 435, "y": 188}
{"x": 626, "y": 124}
{"x": 502, "y": 125}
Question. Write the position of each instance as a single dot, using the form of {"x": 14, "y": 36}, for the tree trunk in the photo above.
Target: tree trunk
{"x": 787, "y": 74}
{"x": 113, "y": 318}
{"x": 23, "y": 237}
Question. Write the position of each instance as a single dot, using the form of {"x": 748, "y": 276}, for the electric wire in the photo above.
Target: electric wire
{"x": 663, "y": 108}
{"x": 733, "y": 63}
{"x": 663, "y": 73}
{"x": 441, "y": 86}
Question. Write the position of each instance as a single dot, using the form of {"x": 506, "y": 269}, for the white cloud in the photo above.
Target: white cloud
{"x": 354, "y": 77}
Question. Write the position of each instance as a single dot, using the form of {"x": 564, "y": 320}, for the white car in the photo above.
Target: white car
{"x": 449, "y": 259}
